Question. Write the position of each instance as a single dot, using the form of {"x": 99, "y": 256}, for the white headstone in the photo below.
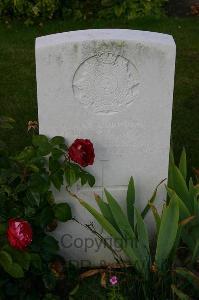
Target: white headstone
{"x": 114, "y": 87}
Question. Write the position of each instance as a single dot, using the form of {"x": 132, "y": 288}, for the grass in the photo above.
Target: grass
{"x": 18, "y": 83}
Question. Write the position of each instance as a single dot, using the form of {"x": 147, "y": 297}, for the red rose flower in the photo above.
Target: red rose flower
{"x": 19, "y": 233}
{"x": 82, "y": 152}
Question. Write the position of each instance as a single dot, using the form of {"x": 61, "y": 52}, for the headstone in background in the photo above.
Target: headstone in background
{"x": 114, "y": 87}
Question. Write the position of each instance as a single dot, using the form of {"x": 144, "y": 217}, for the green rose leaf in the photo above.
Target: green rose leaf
{"x": 26, "y": 155}
{"x": 5, "y": 260}
{"x": 63, "y": 212}
{"x": 57, "y": 140}
{"x": 90, "y": 179}
{"x": 15, "y": 270}
{"x": 42, "y": 143}
{"x": 39, "y": 140}
{"x": 87, "y": 178}
{"x": 39, "y": 183}
{"x": 71, "y": 174}
{"x": 57, "y": 179}
{"x": 46, "y": 216}
{"x": 50, "y": 245}
{"x": 36, "y": 261}
{"x": 57, "y": 153}
{"x": 74, "y": 172}
{"x": 54, "y": 164}
{"x": 22, "y": 258}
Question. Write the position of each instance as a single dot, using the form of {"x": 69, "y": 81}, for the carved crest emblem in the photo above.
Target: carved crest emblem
{"x": 106, "y": 83}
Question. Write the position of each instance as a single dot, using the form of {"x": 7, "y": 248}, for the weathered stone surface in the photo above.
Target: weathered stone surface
{"x": 115, "y": 88}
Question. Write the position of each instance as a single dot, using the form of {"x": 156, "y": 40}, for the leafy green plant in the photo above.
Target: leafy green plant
{"x": 29, "y": 260}
{"x": 135, "y": 235}
{"x": 32, "y": 11}
{"x": 132, "y": 236}
{"x": 155, "y": 265}
{"x": 29, "y": 10}
{"x": 187, "y": 195}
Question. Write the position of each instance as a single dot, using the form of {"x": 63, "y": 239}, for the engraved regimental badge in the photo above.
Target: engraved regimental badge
{"x": 106, "y": 83}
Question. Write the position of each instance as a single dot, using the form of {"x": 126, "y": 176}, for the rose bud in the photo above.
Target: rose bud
{"x": 82, "y": 152}
{"x": 19, "y": 233}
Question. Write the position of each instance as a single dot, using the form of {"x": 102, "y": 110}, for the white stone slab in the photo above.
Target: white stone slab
{"x": 114, "y": 87}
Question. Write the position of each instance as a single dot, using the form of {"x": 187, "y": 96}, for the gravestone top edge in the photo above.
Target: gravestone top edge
{"x": 148, "y": 37}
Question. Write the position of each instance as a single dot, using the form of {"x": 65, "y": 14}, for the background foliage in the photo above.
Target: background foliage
{"x": 31, "y": 10}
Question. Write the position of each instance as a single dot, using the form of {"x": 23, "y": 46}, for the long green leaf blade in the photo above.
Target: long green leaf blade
{"x": 170, "y": 171}
{"x": 180, "y": 187}
{"x": 193, "y": 194}
{"x": 156, "y": 217}
{"x": 142, "y": 232}
{"x": 167, "y": 232}
{"x": 184, "y": 211}
{"x": 171, "y": 157}
{"x": 130, "y": 200}
{"x": 120, "y": 218}
{"x": 143, "y": 242}
{"x": 106, "y": 211}
{"x": 183, "y": 164}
